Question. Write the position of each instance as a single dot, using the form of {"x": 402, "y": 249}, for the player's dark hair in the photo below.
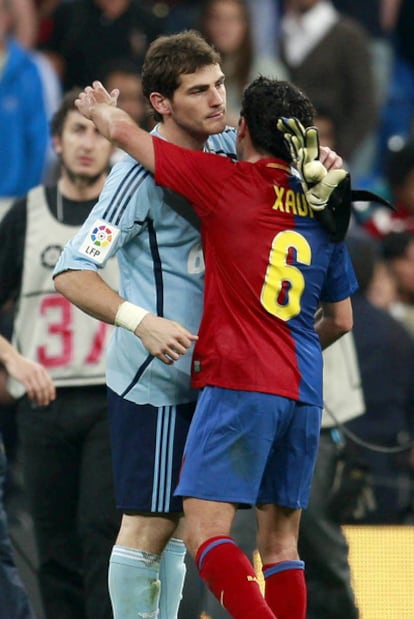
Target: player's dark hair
{"x": 169, "y": 57}
{"x": 67, "y": 104}
{"x": 264, "y": 101}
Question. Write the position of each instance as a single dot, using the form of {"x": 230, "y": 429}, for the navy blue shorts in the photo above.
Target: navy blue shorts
{"x": 250, "y": 448}
{"x": 147, "y": 448}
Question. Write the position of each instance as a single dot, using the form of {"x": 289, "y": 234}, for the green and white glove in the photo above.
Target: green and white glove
{"x": 317, "y": 182}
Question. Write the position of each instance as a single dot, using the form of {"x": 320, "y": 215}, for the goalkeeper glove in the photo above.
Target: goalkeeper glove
{"x": 317, "y": 183}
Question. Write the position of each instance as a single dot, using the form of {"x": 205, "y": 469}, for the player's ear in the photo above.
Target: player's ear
{"x": 160, "y": 103}
{"x": 241, "y": 127}
{"x": 57, "y": 144}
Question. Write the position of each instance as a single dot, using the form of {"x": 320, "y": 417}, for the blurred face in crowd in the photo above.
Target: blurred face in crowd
{"x": 402, "y": 269}
{"x": 83, "y": 151}
{"x": 226, "y": 24}
{"x": 130, "y": 93}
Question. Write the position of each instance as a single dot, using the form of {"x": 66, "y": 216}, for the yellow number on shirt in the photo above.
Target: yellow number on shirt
{"x": 284, "y": 283}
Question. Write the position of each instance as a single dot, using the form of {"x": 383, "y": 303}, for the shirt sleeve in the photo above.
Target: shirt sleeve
{"x": 118, "y": 215}
{"x": 198, "y": 176}
{"x": 341, "y": 281}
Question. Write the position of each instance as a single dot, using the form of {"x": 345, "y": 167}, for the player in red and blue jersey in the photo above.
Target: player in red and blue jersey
{"x": 277, "y": 290}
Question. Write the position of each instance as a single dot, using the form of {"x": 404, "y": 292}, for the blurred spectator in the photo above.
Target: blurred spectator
{"x": 123, "y": 74}
{"x": 398, "y": 255}
{"x": 65, "y": 446}
{"x": 15, "y": 603}
{"x": 265, "y": 20}
{"x": 398, "y": 112}
{"x": 89, "y": 33}
{"x": 385, "y": 351}
{"x": 226, "y": 24}
{"x": 177, "y": 14}
{"x": 23, "y": 116}
{"x": 328, "y": 56}
{"x": 382, "y": 290}
{"x": 25, "y": 23}
{"x": 399, "y": 177}
{"x": 378, "y": 18}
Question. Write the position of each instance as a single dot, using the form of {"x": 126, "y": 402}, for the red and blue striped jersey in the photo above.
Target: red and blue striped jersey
{"x": 268, "y": 265}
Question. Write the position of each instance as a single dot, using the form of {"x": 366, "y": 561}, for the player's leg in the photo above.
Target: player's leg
{"x": 222, "y": 565}
{"x": 225, "y": 456}
{"x": 172, "y": 575}
{"x": 285, "y": 589}
{"x": 134, "y": 568}
{"x": 284, "y": 491}
{"x": 147, "y": 446}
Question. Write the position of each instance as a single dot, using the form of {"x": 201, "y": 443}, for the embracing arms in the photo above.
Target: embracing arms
{"x": 165, "y": 339}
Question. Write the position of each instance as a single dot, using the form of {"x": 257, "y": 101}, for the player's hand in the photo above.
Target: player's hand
{"x": 36, "y": 380}
{"x": 165, "y": 339}
{"x": 317, "y": 182}
{"x": 330, "y": 159}
{"x": 95, "y": 95}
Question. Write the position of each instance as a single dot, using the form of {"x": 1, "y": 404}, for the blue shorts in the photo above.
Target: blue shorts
{"x": 250, "y": 448}
{"x": 147, "y": 448}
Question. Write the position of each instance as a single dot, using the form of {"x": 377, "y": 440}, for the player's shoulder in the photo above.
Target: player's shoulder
{"x": 223, "y": 143}
{"x": 127, "y": 176}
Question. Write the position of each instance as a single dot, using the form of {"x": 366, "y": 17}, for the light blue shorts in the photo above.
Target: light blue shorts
{"x": 250, "y": 448}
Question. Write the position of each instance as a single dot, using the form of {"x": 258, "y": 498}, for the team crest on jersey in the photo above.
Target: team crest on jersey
{"x": 99, "y": 240}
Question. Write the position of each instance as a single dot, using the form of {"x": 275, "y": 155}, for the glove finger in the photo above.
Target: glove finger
{"x": 291, "y": 126}
{"x": 312, "y": 143}
{"x": 290, "y": 146}
{"x": 334, "y": 177}
{"x": 319, "y": 194}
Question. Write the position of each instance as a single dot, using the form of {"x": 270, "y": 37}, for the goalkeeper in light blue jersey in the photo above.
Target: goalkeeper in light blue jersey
{"x": 161, "y": 272}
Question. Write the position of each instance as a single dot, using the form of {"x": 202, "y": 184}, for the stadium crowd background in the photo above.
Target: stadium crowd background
{"x": 357, "y": 65}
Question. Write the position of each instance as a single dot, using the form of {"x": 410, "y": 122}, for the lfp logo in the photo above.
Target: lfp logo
{"x": 98, "y": 242}
{"x": 101, "y": 236}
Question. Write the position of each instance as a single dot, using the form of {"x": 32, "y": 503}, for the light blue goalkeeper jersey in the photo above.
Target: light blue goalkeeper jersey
{"x": 161, "y": 269}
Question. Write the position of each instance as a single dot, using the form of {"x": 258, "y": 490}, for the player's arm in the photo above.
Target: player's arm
{"x": 97, "y": 104}
{"x": 36, "y": 380}
{"x": 333, "y": 320}
{"x": 165, "y": 339}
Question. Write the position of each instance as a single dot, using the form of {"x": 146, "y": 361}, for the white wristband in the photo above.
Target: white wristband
{"x": 129, "y": 316}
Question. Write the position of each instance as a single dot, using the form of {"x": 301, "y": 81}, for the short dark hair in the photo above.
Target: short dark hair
{"x": 264, "y": 101}
{"x": 122, "y": 65}
{"x": 66, "y": 105}
{"x": 169, "y": 57}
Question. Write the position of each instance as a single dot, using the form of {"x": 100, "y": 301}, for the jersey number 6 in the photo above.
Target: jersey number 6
{"x": 284, "y": 283}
